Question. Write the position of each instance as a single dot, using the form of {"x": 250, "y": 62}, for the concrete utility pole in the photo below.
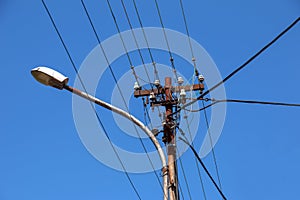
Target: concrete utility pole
{"x": 169, "y": 125}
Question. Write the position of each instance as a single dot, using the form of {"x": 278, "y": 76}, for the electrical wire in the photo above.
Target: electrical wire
{"x": 214, "y": 101}
{"x": 242, "y": 66}
{"x": 140, "y": 54}
{"x": 180, "y": 191}
{"x": 117, "y": 26}
{"x": 135, "y": 39}
{"x": 166, "y": 39}
{"x": 192, "y": 143}
{"x": 201, "y": 181}
{"x": 98, "y": 118}
{"x": 204, "y": 167}
{"x": 189, "y": 38}
{"x": 186, "y": 27}
{"x": 212, "y": 148}
{"x": 145, "y": 37}
{"x": 196, "y": 74}
{"x": 156, "y": 75}
{"x": 184, "y": 175}
{"x": 137, "y": 46}
{"x": 123, "y": 42}
{"x": 99, "y": 42}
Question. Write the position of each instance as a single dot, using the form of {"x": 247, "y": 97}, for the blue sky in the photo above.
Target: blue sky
{"x": 42, "y": 156}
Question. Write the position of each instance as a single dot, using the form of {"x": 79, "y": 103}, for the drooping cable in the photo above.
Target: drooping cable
{"x": 98, "y": 118}
{"x": 204, "y": 167}
{"x": 242, "y": 66}
{"x": 127, "y": 109}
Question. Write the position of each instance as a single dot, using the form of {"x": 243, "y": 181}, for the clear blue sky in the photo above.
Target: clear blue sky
{"x": 41, "y": 154}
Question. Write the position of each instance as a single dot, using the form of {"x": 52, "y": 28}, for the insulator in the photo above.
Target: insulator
{"x": 152, "y": 96}
{"x": 136, "y": 86}
{"x": 182, "y": 96}
{"x": 180, "y": 80}
{"x": 201, "y": 78}
{"x": 182, "y": 93}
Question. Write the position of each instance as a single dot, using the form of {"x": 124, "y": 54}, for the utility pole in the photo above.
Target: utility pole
{"x": 163, "y": 96}
{"x": 170, "y": 141}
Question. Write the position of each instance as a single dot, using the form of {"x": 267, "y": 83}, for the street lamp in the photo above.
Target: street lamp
{"x": 55, "y": 79}
{"x": 49, "y": 77}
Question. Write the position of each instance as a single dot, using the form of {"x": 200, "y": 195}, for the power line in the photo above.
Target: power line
{"x": 99, "y": 42}
{"x": 135, "y": 40}
{"x": 180, "y": 191}
{"x": 166, "y": 39}
{"x": 242, "y": 66}
{"x": 189, "y": 38}
{"x": 201, "y": 181}
{"x": 192, "y": 143}
{"x": 186, "y": 27}
{"x": 145, "y": 37}
{"x": 212, "y": 148}
{"x": 204, "y": 167}
{"x": 122, "y": 40}
{"x": 214, "y": 101}
{"x": 184, "y": 175}
{"x": 137, "y": 45}
{"x": 196, "y": 73}
{"x": 123, "y": 43}
{"x": 156, "y": 75}
{"x": 98, "y": 118}
{"x": 139, "y": 51}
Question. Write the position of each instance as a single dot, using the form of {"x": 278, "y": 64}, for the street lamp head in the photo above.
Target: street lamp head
{"x": 49, "y": 77}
